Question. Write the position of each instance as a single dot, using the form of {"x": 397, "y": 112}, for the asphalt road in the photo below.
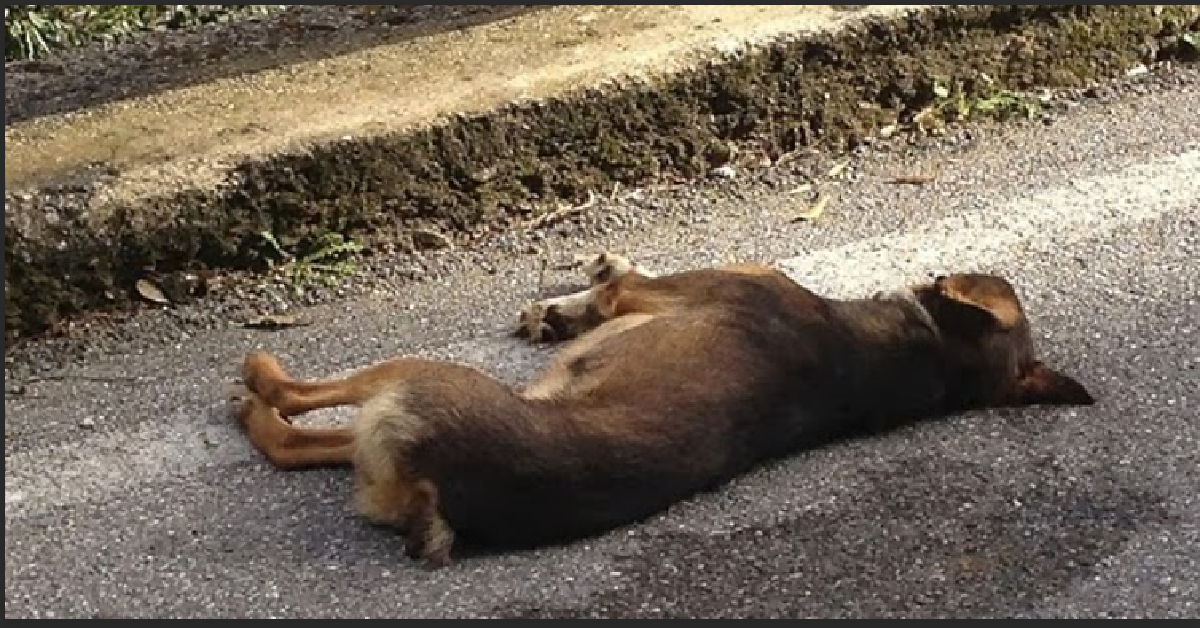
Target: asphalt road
{"x": 128, "y": 492}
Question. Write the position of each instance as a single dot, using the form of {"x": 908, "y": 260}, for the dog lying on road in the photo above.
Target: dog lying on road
{"x": 671, "y": 385}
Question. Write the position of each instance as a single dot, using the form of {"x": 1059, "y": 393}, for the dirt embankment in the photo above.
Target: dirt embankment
{"x": 74, "y": 243}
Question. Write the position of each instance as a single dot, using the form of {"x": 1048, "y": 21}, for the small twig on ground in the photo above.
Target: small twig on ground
{"x": 838, "y": 169}
{"x": 554, "y": 217}
{"x": 914, "y": 179}
{"x": 273, "y": 322}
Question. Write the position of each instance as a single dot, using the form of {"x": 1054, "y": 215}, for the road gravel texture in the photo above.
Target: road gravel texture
{"x": 129, "y": 493}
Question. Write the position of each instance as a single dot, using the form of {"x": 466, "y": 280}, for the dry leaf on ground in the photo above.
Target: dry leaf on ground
{"x": 151, "y": 292}
{"x": 814, "y": 211}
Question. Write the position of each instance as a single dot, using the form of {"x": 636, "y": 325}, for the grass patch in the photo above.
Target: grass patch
{"x": 33, "y": 31}
{"x": 330, "y": 258}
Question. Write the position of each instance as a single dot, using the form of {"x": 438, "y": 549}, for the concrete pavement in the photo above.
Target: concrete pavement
{"x": 159, "y": 508}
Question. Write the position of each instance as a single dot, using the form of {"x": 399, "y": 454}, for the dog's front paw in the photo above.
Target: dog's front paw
{"x": 535, "y": 322}
{"x": 603, "y": 267}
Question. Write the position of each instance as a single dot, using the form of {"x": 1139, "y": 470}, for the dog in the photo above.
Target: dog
{"x": 667, "y": 386}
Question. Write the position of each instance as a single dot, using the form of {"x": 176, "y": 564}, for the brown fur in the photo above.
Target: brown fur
{"x": 672, "y": 385}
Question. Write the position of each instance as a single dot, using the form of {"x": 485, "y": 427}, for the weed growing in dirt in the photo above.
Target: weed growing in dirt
{"x": 956, "y": 103}
{"x": 962, "y": 101}
{"x": 329, "y": 259}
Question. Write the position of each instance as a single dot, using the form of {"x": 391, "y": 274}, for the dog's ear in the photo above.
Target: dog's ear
{"x": 1042, "y": 385}
{"x": 989, "y": 296}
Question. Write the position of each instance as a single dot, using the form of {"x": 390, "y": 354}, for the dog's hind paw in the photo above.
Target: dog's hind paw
{"x": 241, "y": 401}
{"x": 236, "y": 392}
{"x": 238, "y": 399}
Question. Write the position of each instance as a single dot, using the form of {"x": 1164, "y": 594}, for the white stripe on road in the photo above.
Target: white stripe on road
{"x": 1079, "y": 210}
{"x": 976, "y": 240}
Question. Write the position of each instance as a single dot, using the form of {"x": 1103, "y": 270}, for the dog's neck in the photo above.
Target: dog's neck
{"x": 890, "y": 317}
{"x": 901, "y": 370}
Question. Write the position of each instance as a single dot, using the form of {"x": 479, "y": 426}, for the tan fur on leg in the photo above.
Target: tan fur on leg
{"x": 264, "y": 376}
{"x": 287, "y": 446}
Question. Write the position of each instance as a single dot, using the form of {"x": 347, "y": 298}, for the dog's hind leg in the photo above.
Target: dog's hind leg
{"x": 285, "y": 445}
{"x": 264, "y": 376}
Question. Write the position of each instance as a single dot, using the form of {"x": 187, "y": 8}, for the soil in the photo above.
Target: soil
{"x": 96, "y": 199}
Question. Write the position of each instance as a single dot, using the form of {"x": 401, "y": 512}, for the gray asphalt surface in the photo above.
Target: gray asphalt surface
{"x": 129, "y": 493}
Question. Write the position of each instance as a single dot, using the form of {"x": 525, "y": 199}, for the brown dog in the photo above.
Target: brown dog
{"x": 673, "y": 385}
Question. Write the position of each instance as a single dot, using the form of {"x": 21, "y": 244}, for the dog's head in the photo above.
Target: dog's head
{"x": 990, "y": 347}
